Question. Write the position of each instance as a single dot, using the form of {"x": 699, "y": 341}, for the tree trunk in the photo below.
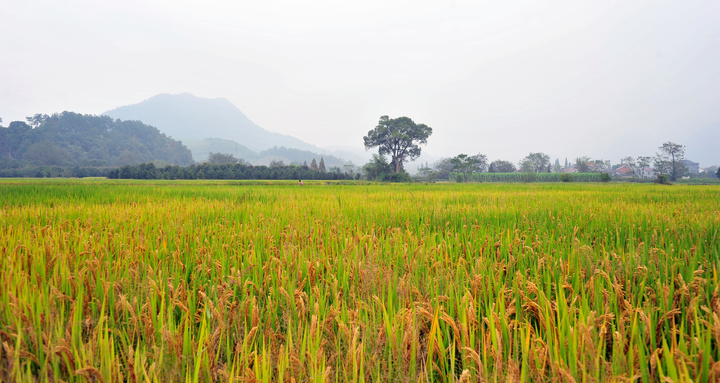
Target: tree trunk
{"x": 672, "y": 178}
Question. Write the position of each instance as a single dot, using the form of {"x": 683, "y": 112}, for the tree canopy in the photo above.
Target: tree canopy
{"x": 222, "y": 158}
{"x": 535, "y": 163}
{"x": 376, "y": 168}
{"x": 398, "y": 137}
{"x": 72, "y": 139}
{"x": 500, "y": 166}
{"x": 467, "y": 165}
{"x": 668, "y": 160}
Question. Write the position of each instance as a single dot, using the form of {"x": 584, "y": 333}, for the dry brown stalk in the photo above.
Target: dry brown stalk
{"x": 300, "y": 298}
{"x": 255, "y": 321}
{"x": 534, "y": 310}
{"x": 714, "y": 375}
{"x": 449, "y": 320}
{"x": 91, "y": 374}
{"x": 659, "y": 327}
{"x": 513, "y": 370}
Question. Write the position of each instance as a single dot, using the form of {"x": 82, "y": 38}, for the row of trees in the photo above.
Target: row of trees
{"x": 400, "y": 138}
{"x": 668, "y": 162}
{"x": 226, "y": 158}
{"x": 229, "y": 171}
{"x": 465, "y": 165}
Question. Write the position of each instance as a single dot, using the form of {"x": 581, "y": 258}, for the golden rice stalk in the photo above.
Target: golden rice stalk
{"x": 714, "y": 375}
{"x": 661, "y": 322}
{"x": 91, "y": 374}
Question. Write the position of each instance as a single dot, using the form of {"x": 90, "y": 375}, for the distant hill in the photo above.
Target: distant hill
{"x": 202, "y": 148}
{"x": 297, "y": 157}
{"x": 186, "y": 117}
{"x": 72, "y": 139}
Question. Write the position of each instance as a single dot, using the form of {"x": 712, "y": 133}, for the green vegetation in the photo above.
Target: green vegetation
{"x": 534, "y": 177}
{"x": 248, "y": 281}
{"x": 69, "y": 140}
{"x": 398, "y": 137}
{"x": 228, "y": 171}
{"x": 535, "y": 163}
{"x": 378, "y": 169}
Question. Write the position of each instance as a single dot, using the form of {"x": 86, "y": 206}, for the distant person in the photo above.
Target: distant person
{"x": 300, "y": 183}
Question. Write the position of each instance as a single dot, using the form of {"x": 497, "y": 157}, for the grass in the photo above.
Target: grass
{"x": 270, "y": 281}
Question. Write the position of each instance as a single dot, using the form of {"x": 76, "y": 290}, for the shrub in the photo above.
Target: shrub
{"x": 566, "y": 177}
{"x": 529, "y": 177}
{"x": 395, "y": 177}
{"x": 662, "y": 179}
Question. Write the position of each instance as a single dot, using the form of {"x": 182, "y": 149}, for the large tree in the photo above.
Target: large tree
{"x": 398, "y": 137}
{"x": 467, "y": 165}
{"x": 582, "y": 164}
{"x": 442, "y": 169}
{"x": 630, "y": 163}
{"x": 643, "y": 163}
{"x": 500, "y": 166}
{"x": 535, "y": 163}
{"x": 668, "y": 160}
{"x": 222, "y": 158}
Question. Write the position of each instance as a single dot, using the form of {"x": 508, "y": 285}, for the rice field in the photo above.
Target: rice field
{"x": 132, "y": 281}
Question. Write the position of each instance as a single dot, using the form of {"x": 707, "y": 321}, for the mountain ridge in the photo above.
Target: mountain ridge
{"x": 185, "y": 116}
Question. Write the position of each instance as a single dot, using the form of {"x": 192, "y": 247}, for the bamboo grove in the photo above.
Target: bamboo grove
{"x": 231, "y": 281}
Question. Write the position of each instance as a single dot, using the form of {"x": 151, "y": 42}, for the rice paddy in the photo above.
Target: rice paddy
{"x": 130, "y": 281}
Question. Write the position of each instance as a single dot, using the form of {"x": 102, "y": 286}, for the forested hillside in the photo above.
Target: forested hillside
{"x": 72, "y": 139}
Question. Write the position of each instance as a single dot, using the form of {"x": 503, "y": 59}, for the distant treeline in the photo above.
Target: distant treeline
{"x": 225, "y": 172}
{"x": 53, "y": 172}
{"x": 532, "y": 177}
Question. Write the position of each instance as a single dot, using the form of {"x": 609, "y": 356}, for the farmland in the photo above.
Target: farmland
{"x": 250, "y": 281}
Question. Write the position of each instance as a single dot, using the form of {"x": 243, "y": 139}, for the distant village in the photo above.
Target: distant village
{"x": 626, "y": 170}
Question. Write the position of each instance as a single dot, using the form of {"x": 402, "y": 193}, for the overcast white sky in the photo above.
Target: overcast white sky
{"x": 600, "y": 78}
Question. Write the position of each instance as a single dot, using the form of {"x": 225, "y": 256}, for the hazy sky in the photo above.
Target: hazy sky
{"x": 569, "y": 78}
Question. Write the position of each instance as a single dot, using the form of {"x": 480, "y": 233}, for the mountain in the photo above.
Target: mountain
{"x": 72, "y": 139}
{"x": 186, "y": 117}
